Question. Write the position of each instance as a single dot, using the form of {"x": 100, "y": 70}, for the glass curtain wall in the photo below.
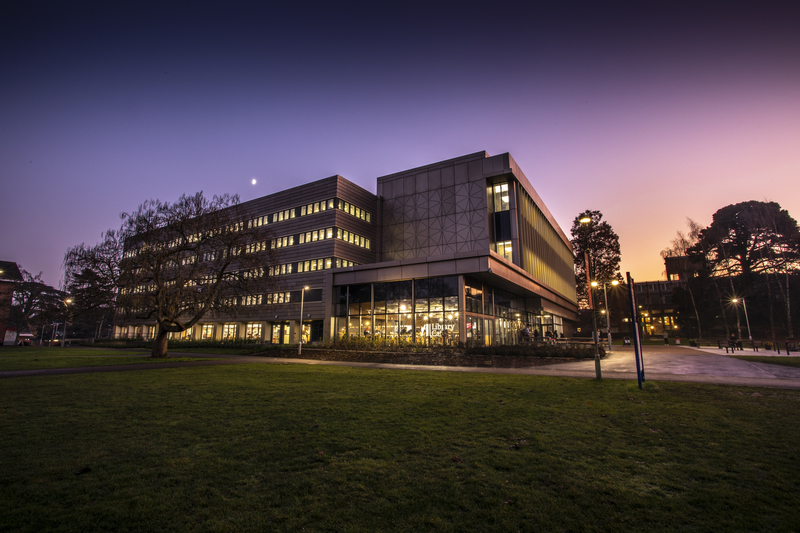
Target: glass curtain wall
{"x": 423, "y": 311}
{"x": 501, "y": 219}
{"x": 436, "y": 310}
{"x": 359, "y": 310}
{"x": 393, "y": 310}
{"x": 426, "y": 311}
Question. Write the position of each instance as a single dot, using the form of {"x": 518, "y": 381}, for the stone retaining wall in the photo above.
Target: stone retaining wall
{"x": 432, "y": 359}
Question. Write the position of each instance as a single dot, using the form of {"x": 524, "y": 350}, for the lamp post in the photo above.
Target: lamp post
{"x": 744, "y": 304}
{"x": 607, "y": 311}
{"x": 66, "y": 319}
{"x": 300, "y": 343}
{"x": 587, "y": 223}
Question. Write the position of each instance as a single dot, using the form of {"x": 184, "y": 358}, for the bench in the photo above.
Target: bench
{"x": 731, "y": 345}
{"x": 789, "y": 345}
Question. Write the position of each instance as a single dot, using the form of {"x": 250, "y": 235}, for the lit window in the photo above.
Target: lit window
{"x": 253, "y": 332}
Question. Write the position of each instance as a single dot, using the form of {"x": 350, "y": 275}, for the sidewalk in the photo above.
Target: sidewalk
{"x": 662, "y": 363}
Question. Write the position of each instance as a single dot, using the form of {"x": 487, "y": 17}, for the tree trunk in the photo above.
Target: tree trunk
{"x": 160, "y": 343}
{"x": 789, "y": 309}
{"x": 696, "y": 314}
{"x": 771, "y": 312}
{"x": 722, "y": 308}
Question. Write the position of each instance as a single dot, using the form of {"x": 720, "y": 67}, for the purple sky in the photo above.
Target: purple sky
{"x": 649, "y": 115}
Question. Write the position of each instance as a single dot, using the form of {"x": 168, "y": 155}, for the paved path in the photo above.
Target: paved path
{"x": 662, "y": 363}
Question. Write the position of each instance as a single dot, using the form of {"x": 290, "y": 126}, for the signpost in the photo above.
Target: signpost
{"x": 637, "y": 344}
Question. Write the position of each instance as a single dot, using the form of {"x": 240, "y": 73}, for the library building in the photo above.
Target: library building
{"x": 459, "y": 250}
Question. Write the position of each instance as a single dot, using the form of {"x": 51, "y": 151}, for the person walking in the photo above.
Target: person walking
{"x": 666, "y": 337}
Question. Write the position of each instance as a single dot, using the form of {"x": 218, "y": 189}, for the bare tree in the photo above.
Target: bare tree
{"x": 679, "y": 248}
{"x": 35, "y": 302}
{"x": 176, "y": 262}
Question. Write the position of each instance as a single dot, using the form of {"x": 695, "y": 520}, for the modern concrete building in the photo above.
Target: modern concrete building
{"x": 462, "y": 249}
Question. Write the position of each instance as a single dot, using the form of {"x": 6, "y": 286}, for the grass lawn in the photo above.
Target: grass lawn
{"x": 783, "y": 361}
{"x": 224, "y": 351}
{"x": 291, "y": 447}
{"x": 36, "y": 358}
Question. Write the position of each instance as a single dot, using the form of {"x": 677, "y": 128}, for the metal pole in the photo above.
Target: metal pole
{"x": 744, "y": 304}
{"x": 300, "y": 343}
{"x": 595, "y": 333}
{"x": 66, "y": 320}
{"x": 635, "y": 329}
{"x": 608, "y": 319}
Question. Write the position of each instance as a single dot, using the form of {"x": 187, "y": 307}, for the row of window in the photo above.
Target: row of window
{"x": 310, "y": 209}
{"x": 271, "y": 298}
{"x": 195, "y": 237}
{"x": 291, "y": 240}
{"x": 279, "y": 216}
{"x": 311, "y": 265}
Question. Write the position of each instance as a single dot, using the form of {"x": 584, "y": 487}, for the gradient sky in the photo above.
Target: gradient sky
{"x": 649, "y": 114}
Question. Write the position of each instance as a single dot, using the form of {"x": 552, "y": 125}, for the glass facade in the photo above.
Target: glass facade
{"x": 500, "y": 205}
{"x": 423, "y": 310}
{"x": 427, "y": 311}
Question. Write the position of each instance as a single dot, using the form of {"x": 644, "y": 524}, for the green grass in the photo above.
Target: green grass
{"x": 221, "y": 351}
{"x": 265, "y": 447}
{"x": 783, "y": 361}
{"x": 38, "y": 358}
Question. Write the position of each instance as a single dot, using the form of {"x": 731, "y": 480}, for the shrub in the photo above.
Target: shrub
{"x": 578, "y": 351}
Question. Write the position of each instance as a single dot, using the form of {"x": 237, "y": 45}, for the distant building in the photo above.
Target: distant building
{"x": 681, "y": 267}
{"x": 9, "y": 277}
{"x": 655, "y": 298}
{"x": 462, "y": 249}
{"x": 656, "y": 308}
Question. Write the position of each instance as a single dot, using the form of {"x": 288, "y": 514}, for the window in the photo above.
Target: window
{"x": 254, "y": 299}
{"x": 504, "y": 250}
{"x": 252, "y": 332}
{"x": 228, "y": 332}
{"x": 207, "y": 332}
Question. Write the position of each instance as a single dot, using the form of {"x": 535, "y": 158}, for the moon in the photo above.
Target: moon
{"x": 253, "y": 181}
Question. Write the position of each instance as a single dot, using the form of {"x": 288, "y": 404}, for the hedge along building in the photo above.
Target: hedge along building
{"x": 458, "y": 250}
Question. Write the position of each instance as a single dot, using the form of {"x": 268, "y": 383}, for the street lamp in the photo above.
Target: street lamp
{"x": 607, "y": 311}
{"x": 66, "y": 318}
{"x": 300, "y": 344}
{"x": 586, "y": 222}
{"x": 744, "y": 304}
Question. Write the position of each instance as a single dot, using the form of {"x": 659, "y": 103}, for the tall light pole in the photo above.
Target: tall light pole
{"x": 300, "y": 343}
{"x": 744, "y": 304}
{"x": 66, "y": 319}
{"x": 607, "y": 311}
{"x": 587, "y": 224}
